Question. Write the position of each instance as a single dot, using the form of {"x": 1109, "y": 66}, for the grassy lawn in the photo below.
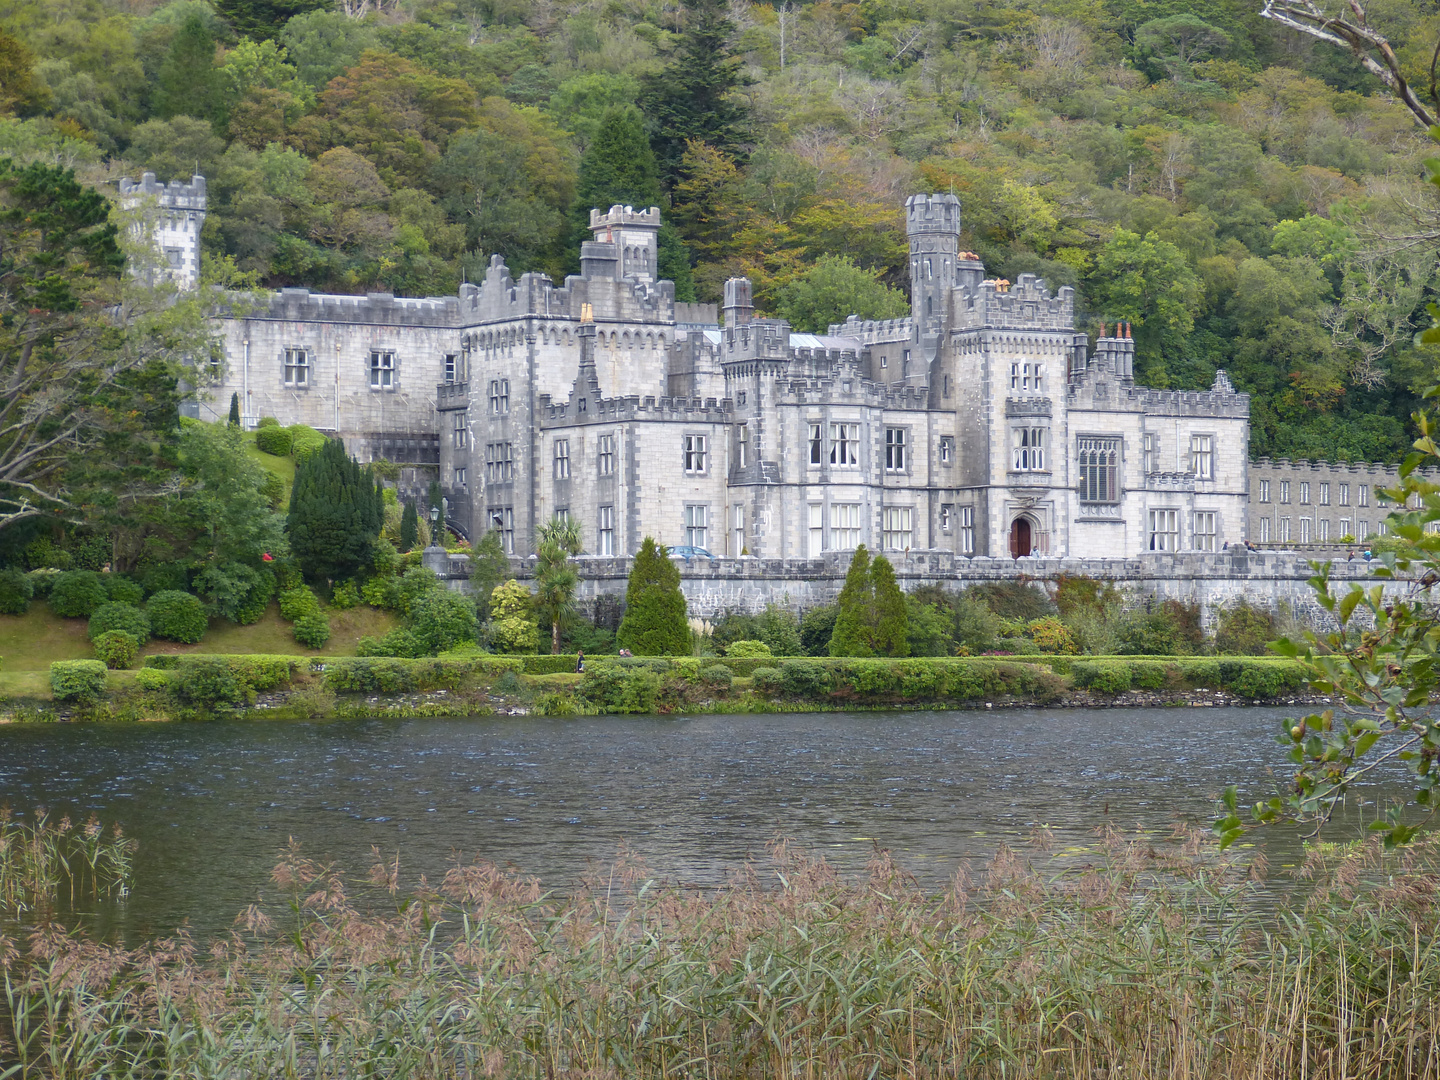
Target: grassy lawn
{"x": 283, "y": 467}
{"x": 28, "y": 643}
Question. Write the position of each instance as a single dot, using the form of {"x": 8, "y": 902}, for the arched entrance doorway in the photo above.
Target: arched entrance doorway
{"x": 1022, "y": 541}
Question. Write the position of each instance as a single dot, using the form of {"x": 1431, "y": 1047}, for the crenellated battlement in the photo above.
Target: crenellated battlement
{"x": 621, "y": 216}
{"x": 932, "y": 213}
{"x": 172, "y": 196}
{"x": 301, "y": 305}
{"x": 871, "y": 331}
{"x": 1027, "y": 304}
{"x": 600, "y": 410}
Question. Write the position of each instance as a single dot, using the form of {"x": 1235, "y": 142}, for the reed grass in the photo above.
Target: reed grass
{"x": 45, "y": 860}
{"x": 1157, "y": 961}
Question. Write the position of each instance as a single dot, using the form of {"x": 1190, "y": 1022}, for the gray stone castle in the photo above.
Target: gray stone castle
{"x": 983, "y": 424}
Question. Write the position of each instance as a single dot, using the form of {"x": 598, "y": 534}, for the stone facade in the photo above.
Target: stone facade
{"x": 173, "y": 215}
{"x": 1308, "y": 505}
{"x": 982, "y": 425}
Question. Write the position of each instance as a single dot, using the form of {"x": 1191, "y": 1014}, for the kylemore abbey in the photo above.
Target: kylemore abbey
{"x": 984, "y": 424}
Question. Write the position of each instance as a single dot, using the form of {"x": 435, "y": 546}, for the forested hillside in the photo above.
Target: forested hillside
{"x": 1249, "y": 198}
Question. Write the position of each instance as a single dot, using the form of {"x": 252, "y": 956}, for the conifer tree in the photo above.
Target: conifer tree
{"x": 234, "y": 420}
{"x": 409, "y": 527}
{"x": 654, "y": 622}
{"x": 692, "y": 97}
{"x": 336, "y": 513}
{"x": 618, "y": 168}
{"x": 187, "y": 82}
{"x": 857, "y": 597}
{"x": 872, "y": 619}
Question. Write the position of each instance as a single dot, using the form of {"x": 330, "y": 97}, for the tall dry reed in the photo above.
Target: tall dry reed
{"x": 1158, "y": 961}
{"x": 42, "y": 861}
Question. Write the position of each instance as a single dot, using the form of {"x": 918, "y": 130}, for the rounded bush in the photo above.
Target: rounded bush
{"x": 267, "y": 422}
{"x": 76, "y": 594}
{"x": 767, "y": 680}
{"x": 77, "y": 680}
{"x": 116, "y": 649}
{"x": 717, "y": 675}
{"x": 42, "y": 581}
{"x": 112, "y": 616}
{"x": 276, "y": 440}
{"x": 122, "y": 590}
{"x": 748, "y": 649}
{"x": 16, "y": 589}
{"x": 312, "y": 631}
{"x": 177, "y": 616}
{"x": 295, "y": 604}
{"x": 305, "y": 440}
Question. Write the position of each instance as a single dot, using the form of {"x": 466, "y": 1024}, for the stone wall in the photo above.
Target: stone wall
{"x": 712, "y": 586}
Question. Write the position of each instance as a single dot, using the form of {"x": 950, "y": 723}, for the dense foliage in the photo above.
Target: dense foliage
{"x": 654, "y": 622}
{"x": 1231, "y": 187}
{"x": 336, "y": 512}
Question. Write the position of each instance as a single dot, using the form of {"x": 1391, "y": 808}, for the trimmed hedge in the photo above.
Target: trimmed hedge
{"x": 304, "y": 440}
{"x": 122, "y": 590}
{"x": 16, "y": 589}
{"x": 76, "y": 594}
{"x": 81, "y": 681}
{"x": 116, "y": 649}
{"x": 116, "y": 616}
{"x": 177, "y": 616}
{"x": 394, "y": 674}
{"x": 274, "y": 440}
{"x": 551, "y": 665}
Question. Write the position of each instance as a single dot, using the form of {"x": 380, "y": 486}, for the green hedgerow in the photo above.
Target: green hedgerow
{"x": 312, "y": 630}
{"x": 16, "y": 589}
{"x": 113, "y": 616}
{"x": 620, "y": 689}
{"x": 81, "y": 681}
{"x": 177, "y": 616}
{"x": 210, "y": 683}
{"x": 116, "y": 649}
{"x": 805, "y": 678}
{"x": 718, "y": 676}
{"x": 275, "y": 441}
{"x": 305, "y": 440}
{"x": 767, "y": 680}
{"x": 152, "y": 679}
{"x": 77, "y": 593}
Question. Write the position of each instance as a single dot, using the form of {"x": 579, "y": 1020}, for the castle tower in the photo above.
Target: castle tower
{"x": 634, "y": 236}
{"x": 737, "y": 308}
{"x": 933, "y": 224}
{"x": 179, "y": 212}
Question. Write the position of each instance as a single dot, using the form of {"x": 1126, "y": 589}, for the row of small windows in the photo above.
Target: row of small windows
{"x": 1362, "y": 493}
{"x": 298, "y": 366}
{"x": 844, "y": 447}
{"x": 1316, "y": 531}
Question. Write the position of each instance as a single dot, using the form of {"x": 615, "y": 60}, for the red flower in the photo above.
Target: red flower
{"x": 267, "y": 557}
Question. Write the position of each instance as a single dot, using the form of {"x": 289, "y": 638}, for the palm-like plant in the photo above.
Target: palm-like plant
{"x": 556, "y": 578}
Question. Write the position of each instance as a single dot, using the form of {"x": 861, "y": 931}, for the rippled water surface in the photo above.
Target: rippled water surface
{"x": 212, "y": 804}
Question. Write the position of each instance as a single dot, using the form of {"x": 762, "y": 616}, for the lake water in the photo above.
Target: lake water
{"x": 213, "y": 804}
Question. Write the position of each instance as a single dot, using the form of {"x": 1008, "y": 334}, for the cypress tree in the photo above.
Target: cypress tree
{"x": 618, "y": 167}
{"x": 187, "y": 81}
{"x": 654, "y": 623}
{"x": 891, "y": 627}
{"x": 409, "y": 528}
{"x": 692, "y": 97}
{"x": 857, "y": 597}
{"x": 234, "y": 420}
{"x": 872, "y": 620}
{"x": 336, "y": 512}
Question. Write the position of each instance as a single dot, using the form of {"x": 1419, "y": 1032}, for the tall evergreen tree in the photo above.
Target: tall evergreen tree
{"x": 234, "y": 420}
{"x": 187, "y": 83}
{"x": 872, "y": 619}
{"x": 618, "y": 167}
{"x": 692, "y": 97}
{"x": 654, "y": 622}
{"x": 409, "y": 527}
{"x": 336, "y": 512}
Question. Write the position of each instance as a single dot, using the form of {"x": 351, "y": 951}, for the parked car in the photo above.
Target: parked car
{"x": 688, "y": 552}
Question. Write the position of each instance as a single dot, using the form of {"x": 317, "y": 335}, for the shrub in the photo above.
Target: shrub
{"x": 805, "y": 678}
{"x": 274, "y": 440}
{"x": 116, "y": 649}
{"x": 1052, "y": 636}
{"x": 312, "y": 630}
{"x": 16, "y": 589}
{"x": 512, "y": 625}
{"x": 1148, "y": 675}
{"x": 398, "y": 642}
{"x": 548, "y": 665}
{"x": 152, "y": 679}
{"x": 209, "y": 683}
{"x": 416, "y": 582}
{"x": 443, "y": 619}
{"x": 111, "y": 617}
{"x": 1013, "y": 599}
{"x": 122, "y": 590}
{"x": 366, "y": 675}
{"x": 345, "y": 596}
{"x": 1244, "y": 631}
{"x": 381, "y": 592}
{"x": 77, "y": 593}
{"x": 42, "y": 581}
{"x": 235, "y": 592}
{"x": 870, "y": 677}
{"x": 768, "y": 680}
{"x": 81, "y": 681}
{"x": 304, "y": 440}
{"x": 1261, "y": 679}
{"x": 816, "y": 629}
{"x": 717, "y": 676}
{"x": 746, "y": 650}
{"x": 267, "y": 422}
{"x": 177, "y": 616}
{"x": 297, "y": 603}
{"x": 616, "y": 688}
